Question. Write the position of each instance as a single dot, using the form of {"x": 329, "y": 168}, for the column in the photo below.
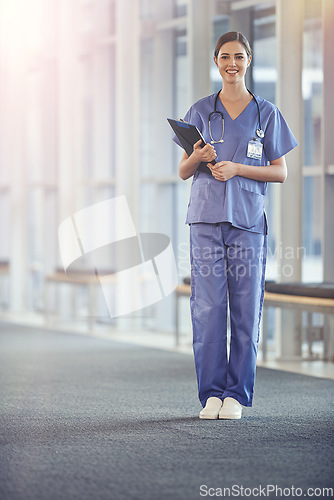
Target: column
{"x": 127, "y": 100}
{"x": 163, "y": 82}
{"x": 163, "y": 88}
{"x": 68, "y": 138}
{"x": 127, "y": 80}
{"x": 67, "y": 83}
{"x": 13, "y": 57}
{"x": 199, "y": 48}
{"x": 327, "y": 159}
{"x": 289, "y": 31}
{"x": 327, "y": 145}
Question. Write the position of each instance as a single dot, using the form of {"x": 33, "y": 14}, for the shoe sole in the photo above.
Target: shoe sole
{"x": 230, "y": 417}
{"x": 206, "y": 417}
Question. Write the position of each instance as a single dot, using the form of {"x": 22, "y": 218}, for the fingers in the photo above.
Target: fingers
{"x": 206, "y": 153}
{"x": 217, "y": 175}
{"x": 205, "y": 149}
{"x": 197, "y": 144}
{"x": 209, "y": 153}
{"x": 223, "y": 170}
{"x": 208, "y": 148}
{"x": 218, "y": 165}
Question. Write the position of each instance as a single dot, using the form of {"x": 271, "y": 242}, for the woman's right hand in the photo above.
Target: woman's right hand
{"x": 205, "y": 154}
{"x": 189, "y": 164}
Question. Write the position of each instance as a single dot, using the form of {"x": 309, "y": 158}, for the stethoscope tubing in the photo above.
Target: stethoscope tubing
{"x": 259, "y": 131}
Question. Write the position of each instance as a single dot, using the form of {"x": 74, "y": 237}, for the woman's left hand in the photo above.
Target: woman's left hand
{"x": 224, "y": 170}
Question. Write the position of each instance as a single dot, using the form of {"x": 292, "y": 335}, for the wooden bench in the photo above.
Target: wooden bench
{"x": 309, "y": 297}
{"x": 283, "y": 295}
{"x": 77, "y": 278}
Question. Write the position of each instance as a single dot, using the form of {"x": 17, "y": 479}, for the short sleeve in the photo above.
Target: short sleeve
{"x": 278, "y": 139}
{"x": 193, "y": 118}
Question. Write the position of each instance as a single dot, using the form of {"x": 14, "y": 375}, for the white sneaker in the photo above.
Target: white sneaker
{"x": 231, "y": 409}
{"x": 211, "y": 409}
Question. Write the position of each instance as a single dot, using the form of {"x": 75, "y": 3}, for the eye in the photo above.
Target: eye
{"x": 224, "y": 57}
{"x": 240, "y": 57}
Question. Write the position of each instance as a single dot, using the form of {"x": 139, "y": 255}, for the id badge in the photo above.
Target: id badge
{"x": 254, "y": 150}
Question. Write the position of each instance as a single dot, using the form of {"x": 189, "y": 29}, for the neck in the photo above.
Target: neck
{"x": 234, "y": 92}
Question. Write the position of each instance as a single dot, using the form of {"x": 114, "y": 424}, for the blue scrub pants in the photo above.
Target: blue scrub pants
{"x": 227, "y": 268}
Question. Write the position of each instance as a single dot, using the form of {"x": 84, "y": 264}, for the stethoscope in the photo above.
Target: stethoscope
{"x": 259, "y": 131}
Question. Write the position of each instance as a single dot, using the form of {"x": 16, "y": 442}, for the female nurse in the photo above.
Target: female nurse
{"x": 248, "y": 138}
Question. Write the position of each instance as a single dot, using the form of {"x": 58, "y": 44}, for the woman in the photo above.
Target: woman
{"x": 247, "y": 139}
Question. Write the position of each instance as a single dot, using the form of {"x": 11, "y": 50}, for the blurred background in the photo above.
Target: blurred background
{"x": 85, "y": 90}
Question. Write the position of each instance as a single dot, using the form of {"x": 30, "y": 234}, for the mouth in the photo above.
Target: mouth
{"x": 232, "y": 71}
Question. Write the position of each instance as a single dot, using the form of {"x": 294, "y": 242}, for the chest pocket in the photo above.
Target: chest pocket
{"x": 249, "y": 209}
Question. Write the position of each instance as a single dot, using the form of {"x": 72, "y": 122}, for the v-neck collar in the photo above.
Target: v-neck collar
{"x": 233, "y": 119}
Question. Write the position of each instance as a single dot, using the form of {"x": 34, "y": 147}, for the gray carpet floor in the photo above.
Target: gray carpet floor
{"x": 87, "y": 418}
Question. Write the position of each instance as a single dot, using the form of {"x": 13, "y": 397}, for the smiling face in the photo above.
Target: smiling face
{"x": 232, "y": 62}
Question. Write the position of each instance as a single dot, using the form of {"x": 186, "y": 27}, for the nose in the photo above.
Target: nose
{"x": 233, "y": 61}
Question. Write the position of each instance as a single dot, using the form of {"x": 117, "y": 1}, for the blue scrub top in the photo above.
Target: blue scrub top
{"x": 238, "y": 200}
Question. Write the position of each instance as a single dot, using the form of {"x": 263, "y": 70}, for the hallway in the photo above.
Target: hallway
{"x": 85, "y": 417}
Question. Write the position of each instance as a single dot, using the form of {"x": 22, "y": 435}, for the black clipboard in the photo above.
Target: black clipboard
{"x": 188, "y": 135}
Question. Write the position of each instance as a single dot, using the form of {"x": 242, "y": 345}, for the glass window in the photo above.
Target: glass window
{"x": 312, "y": 257}
{"x": 34, "y": 127}
{"x": 34, "y": 25}
{"x": 181, "y": 237}
{"x": 146, "y": 103}
{"x": 220, "y": 26}
{"x": 108, "y": 17}
{"x": 181, "y": 191}
{"x": 92, "y": 195}
{"x": 146, "y": 9}
{"x": 42, "y": 242}
{"x": 147, "y": 201}
{"x": 40, "y": 126}
{"x": 181, "y": 194}
{"x": 312, "y": 81}
{"x": 5, "y": 223}
{"x": 112, "y": 114}
{"x": 159, "y": 197}
{"x": 86, "y": 15}
{"x": 180, "y": 8}
{"x": 50, "y": 119}
{"x": 264, "y": 75}
{"x": 264, "y": 56}
{"x": 181, "y": 87}
{"x": 85, "y": 117}
{"x": 98, "y": 106}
